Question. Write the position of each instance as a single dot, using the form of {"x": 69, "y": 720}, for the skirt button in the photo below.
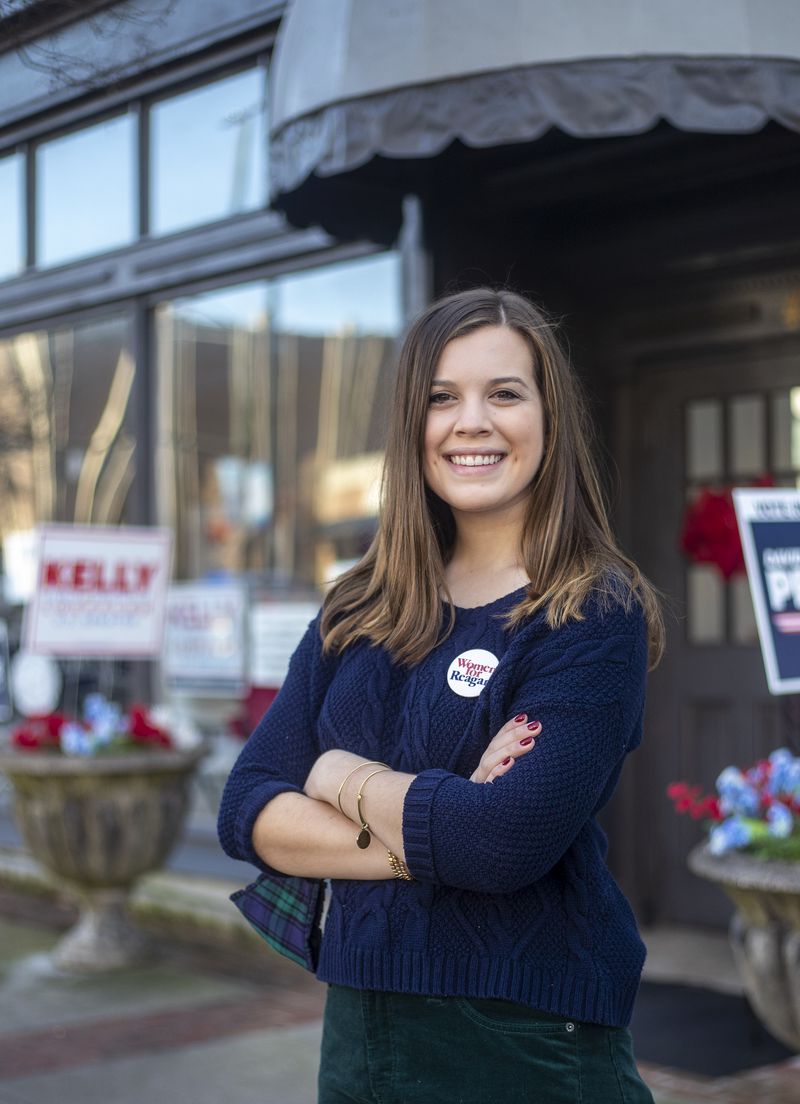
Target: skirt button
{"x": 570, "y": 1027}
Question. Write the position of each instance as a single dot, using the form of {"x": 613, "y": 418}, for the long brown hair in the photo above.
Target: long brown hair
{"x": 392, "y": 596}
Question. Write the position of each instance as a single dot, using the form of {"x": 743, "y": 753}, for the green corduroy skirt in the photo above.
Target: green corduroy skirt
{"x": 392, "y": 1048}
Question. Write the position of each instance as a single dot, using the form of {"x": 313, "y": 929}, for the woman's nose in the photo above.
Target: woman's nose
{"x": 473, "y": 418}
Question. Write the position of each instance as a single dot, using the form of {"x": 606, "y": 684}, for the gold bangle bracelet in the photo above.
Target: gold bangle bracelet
{"x": 399, "y": 867}
{"x": 347, "y": 778}
{"x": 364, "y": 839}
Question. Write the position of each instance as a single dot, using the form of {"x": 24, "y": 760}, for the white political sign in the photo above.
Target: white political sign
{"x": 204, "y": 643}
{"x": 100, "y": 592}
{"x": 276, "y": 628}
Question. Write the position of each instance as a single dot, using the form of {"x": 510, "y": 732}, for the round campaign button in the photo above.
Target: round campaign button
{"x": 469, "y": 672}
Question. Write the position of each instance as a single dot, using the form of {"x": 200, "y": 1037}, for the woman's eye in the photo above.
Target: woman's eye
{"x": 438, "y": 397}
{"x": 506, "y": 396}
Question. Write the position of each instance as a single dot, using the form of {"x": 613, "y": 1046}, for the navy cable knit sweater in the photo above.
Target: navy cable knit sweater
{"x": 512, "y": 898}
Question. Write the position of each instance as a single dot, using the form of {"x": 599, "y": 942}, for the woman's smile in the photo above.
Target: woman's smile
{"x": 474, "y": 460}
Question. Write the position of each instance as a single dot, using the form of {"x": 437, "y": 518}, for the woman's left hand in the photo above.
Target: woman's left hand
{"x": 516, "y": 738}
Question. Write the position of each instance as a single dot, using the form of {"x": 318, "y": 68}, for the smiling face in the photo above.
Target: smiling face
{"x": 484, "y": 432}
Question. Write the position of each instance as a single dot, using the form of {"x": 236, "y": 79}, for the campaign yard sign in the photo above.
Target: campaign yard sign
{"x": 204, "y": 644}
{"x": 769, "y": 525}
{"x": 100, "y": 592}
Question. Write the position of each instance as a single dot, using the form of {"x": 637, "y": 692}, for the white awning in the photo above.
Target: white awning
{"x": 353, "y": 79}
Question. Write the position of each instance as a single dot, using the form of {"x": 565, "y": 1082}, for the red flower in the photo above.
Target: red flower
{"x": 684, "y": 797}
{"x": 143, "y": 731}
{"x": 707, "y": 809}
{"x": 688, "y": 799}
{"x": 38, "y": 733}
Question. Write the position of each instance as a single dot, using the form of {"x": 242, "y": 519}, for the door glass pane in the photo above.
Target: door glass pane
{"x": 68, "y": 447}
{"x": 747, "y": 435}
{"x": 786, "y": 430}
{"x": 704, "y": 449}
{"x": 85, "y": 198}
{"x": 208, "y": 153}
{"x": 705, "y": 605}
{"x": 271, "y": 415}
{"x": 12, "y": 215}
{"x": 744, "y": 621}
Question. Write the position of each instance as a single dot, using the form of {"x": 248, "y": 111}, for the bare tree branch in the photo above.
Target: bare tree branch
{"x": 27, "y": 26}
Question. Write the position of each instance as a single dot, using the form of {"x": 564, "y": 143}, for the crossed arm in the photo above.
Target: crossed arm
{"x": 280, "y": 808}
{"x": 307, "y": 834}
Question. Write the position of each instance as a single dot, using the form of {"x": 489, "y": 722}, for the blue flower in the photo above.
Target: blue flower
{"x": 736, "y": 794}
{"x": 75, "y": 740}
{"x": 729, "y": 835}
{"x": 104, "y": 719}
{"x": 780, "y": 779}
{"x": 780, "y": 820}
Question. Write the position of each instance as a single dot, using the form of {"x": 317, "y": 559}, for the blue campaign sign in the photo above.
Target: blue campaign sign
{"x": 769, "y": 525}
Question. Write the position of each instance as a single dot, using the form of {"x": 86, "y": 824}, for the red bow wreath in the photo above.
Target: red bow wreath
{"x": 709, "y": 533}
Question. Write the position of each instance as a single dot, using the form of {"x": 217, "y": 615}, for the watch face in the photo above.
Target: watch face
{"x": 35, "y": 684}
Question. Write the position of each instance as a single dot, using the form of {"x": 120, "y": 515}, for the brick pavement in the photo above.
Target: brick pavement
{"x": 63, "y": 1046}
{"x": 775, "y": 1084}
{"x": 190, "y": 1018}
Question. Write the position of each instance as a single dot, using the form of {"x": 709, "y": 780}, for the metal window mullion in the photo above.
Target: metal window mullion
{"x": 142, "y": 414}
{"x": 142, "y": 112}
{"x": 769, "y": 430}
{"x": 30, "y": 205}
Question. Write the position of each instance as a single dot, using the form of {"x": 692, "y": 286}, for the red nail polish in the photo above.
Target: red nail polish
{"x": 521, "y": 718}
{"x": 534, "y": 724}
{"x": 527, "y": 740}
{"x": 506, "y": 761}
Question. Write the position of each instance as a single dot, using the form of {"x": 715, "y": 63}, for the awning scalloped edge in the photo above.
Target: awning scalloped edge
{"x": 586, "y": 99}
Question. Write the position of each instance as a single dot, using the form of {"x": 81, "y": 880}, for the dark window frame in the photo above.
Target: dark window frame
{"x": 137, "y": 98}
{"x": 260, "y": 62}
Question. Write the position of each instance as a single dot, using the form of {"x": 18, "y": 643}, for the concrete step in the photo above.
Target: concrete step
{"x": 185, "y": 908}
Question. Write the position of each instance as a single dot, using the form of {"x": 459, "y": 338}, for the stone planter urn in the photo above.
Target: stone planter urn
{"x": 97, "y": 823}
{"x": 764, "y": 933}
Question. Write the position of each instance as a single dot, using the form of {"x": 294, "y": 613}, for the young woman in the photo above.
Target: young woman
{"x": 476, "y": 947}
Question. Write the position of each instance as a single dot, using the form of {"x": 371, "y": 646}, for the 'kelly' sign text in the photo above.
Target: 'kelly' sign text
{"x": 101, "y": 591}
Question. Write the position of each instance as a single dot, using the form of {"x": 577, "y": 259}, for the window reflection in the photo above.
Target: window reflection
{"x": 743, "y": 618}
{"x": 704, "y": 428}
{"x": 786, "y": 430}
{"x": 68, "y": 447}
{"x": 705, "y": 605}
{"x": 85, "y": 191}
{"x": 271, "y": 400}
{"x": 208, "y": 151}
{"x": 12, "y": 219}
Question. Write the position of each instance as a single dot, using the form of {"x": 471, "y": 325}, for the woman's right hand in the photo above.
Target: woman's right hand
{"x": 516, "y": 738}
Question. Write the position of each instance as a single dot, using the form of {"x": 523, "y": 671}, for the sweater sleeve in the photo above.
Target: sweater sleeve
{"x": 586, "y": 686}
{"x": 280, "y": 752}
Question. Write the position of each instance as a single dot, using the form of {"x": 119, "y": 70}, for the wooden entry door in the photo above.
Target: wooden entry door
{"x": 709, "y": 421}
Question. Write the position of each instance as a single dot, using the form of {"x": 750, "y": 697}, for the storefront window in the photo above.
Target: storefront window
{"x": 66, "y": 441}
{"x": 85, "y": 191}
{"x": 271, "y": 408}
{"x": 12, "y": 221}
{"x": 208, "y": 151}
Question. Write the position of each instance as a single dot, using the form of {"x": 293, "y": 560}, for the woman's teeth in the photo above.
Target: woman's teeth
{"x": 474, "y": 461}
